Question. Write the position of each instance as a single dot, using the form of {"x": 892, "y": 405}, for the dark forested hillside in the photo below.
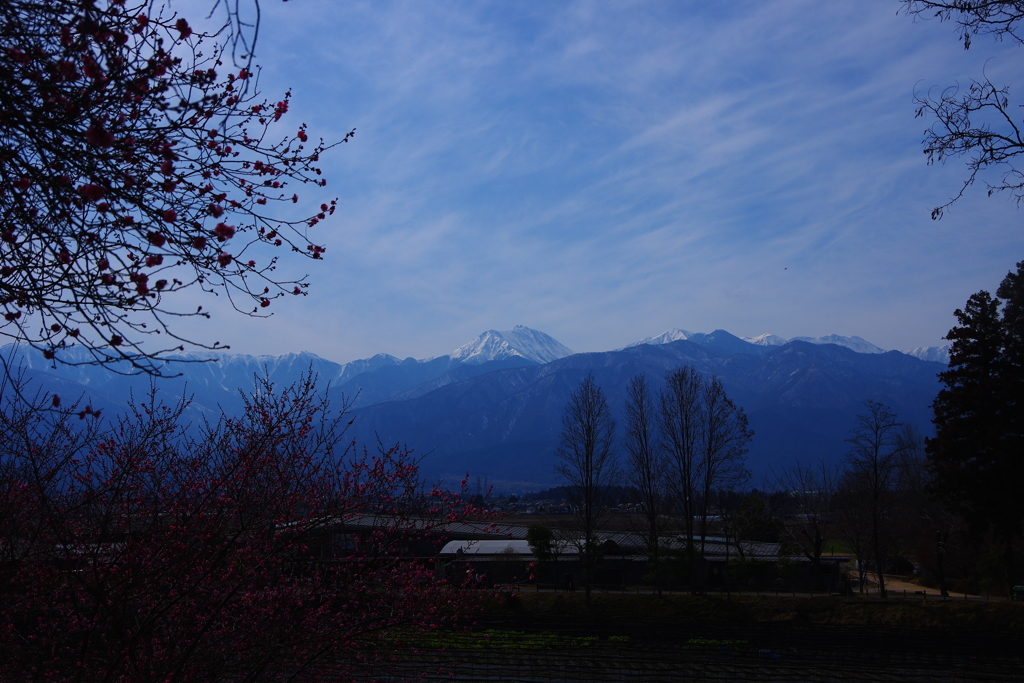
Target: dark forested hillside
{"x": 801, "y": 400}
{"x": 501, "y": 418}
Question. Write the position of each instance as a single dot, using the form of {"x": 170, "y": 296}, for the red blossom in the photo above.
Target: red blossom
{"x": 157, "y": 239}
{"x": 91, "y": 192}
{"x": 280, "y": 109}
{"x": 224, "y": 259}
{"x": 199, "y": 243}
{"x": 224, "y": 232}
{"x": 98, "y": 137}
{"x": 183, "y": 28}
{"x": 169, "y": 216}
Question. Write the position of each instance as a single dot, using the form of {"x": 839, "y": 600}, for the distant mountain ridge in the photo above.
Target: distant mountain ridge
{"x": 494, "y": 405}
{"x": 801, "y": 399}
{"x": 217, "y": 381}
{"x": 860, "y": 345}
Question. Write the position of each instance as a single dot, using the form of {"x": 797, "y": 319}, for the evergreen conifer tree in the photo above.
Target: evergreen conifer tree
{"x": 977, "y": 455}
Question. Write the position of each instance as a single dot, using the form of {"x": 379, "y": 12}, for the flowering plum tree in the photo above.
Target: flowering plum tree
{"x": 262, "y": 549}
{"x": 137, "y": 161}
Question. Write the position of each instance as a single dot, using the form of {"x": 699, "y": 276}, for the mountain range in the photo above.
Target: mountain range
{"x": 493, "y": 406}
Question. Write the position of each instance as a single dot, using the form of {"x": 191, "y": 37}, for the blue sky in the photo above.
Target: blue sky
{"x": 604, "y": 171}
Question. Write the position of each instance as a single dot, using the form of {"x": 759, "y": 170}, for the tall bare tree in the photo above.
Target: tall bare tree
{"x": 725, "y": 437}
{"x": 811, "y": 490}
{"x": 646, "y": 467}
{"x": 705, "y": 438}
{"x": 851, "y": 510}
{"x": 587, "y": 462}
{"x": 875, "y": 458}
{"x": 680, "y": 426}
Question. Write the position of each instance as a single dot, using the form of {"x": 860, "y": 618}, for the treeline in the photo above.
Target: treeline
{"x": 952, "y": 503}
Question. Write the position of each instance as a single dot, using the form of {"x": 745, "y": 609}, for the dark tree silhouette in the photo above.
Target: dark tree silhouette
{"x": 976, "y": 455}
{"x": 587, "y": 461}
{"x": 725, "y": 435}
{"x": 646, "y": 468}
{"x": 680, "y": 427}
{"x": 138, "y": 161}
{"x": 875, "y": 461}
{"x": 980, "y": 121}
{"x": 811, "y": 489}
{"x": 851, "y": 514}
{"x": 704, "y": 435}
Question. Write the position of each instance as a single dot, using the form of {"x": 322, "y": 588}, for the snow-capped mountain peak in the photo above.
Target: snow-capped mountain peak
{"x": 939, "y": 354}
{"x": 853, "y": 343}
{"x": 675, "y": 334}
{"x": 520, "y": 341}
{"x": 766, "y": 340}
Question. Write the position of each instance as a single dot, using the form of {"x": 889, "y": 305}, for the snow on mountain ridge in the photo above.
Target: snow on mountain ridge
{"x": 520, "y": 341}
{"x": 857, "y": 344}
{"x": 939, "y": 354}
{"x": 667, "y": 337}
{"x": 766, "y": 339}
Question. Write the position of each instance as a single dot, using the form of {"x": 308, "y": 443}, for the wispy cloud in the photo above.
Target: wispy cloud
{"x": 604, "y": 171}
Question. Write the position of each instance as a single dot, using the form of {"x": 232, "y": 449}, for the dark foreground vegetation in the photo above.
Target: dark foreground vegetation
{"x": 257, "y": 547}
{"x": 554, "y": 637}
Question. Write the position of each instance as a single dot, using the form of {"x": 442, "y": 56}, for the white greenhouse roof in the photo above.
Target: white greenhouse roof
{"x": 498, "y": 547}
